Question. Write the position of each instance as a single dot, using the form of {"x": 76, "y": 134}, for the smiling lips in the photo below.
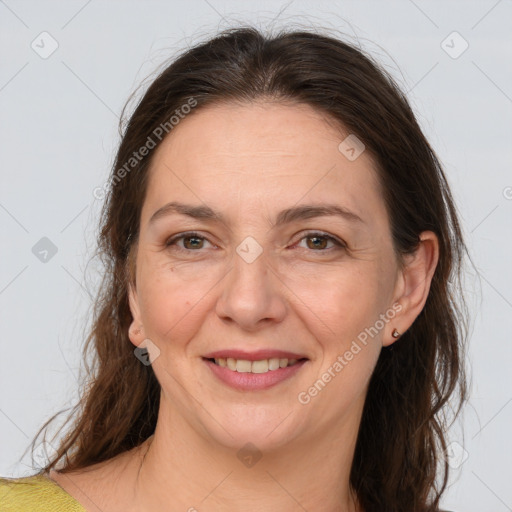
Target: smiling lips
{"x": 260, "y": 361}
{"x": 260, "y": 366}
{"x": 253, "y": 370}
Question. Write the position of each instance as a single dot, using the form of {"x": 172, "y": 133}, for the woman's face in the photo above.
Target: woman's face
{"x": 261, "y": 278}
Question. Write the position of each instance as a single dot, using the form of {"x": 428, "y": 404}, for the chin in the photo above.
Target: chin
{"x": 267, "y": 430}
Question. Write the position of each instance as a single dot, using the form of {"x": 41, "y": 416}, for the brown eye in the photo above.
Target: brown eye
{"x": 319, "y": 242}
{"x": 191, "y": 242}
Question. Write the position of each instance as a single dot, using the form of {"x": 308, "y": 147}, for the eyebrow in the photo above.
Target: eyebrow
{"x": 286, "y": 216}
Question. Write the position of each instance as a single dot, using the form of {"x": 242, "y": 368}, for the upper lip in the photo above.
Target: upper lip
{"x": 253, "y": 356}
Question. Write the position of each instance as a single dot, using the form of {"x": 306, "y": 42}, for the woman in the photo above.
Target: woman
{"x": 278, "y": 326}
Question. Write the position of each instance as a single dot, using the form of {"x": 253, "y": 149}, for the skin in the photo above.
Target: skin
{"x": 249, "y": 162}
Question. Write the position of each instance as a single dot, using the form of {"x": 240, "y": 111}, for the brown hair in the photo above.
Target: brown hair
{"x": 401, "y": 440}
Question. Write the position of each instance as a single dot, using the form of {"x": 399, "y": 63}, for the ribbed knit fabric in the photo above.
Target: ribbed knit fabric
{"x": 35, "y": 494}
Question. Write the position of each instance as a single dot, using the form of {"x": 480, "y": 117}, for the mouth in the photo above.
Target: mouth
{"x": 258, "y": 366}
{"x": 256, "y": 374}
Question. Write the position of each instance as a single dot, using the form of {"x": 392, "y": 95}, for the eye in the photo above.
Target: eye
{"x": 191, "y": 241}
{"x": 320, "y": 241}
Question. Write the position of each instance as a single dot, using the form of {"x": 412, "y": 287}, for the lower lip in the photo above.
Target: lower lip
{"x": 253, "y": 381}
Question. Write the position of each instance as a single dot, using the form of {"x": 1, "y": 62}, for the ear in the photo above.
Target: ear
{"x": 413, "y": 284}
{"x": 136, "y": 330}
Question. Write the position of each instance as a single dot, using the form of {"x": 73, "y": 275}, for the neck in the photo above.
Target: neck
{"x": 182, "y": 470}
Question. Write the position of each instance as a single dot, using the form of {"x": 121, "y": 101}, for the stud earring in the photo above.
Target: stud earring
{"x": 395, "y": 334}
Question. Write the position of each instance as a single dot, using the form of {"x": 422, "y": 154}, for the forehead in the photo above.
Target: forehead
{"x": 257, "y": 155}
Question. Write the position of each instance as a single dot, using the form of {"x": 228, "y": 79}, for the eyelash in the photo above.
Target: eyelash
{"x": 314, "y": 234}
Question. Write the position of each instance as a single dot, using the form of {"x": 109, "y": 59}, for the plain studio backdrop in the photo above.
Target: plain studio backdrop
{"x": 66, "y": 70}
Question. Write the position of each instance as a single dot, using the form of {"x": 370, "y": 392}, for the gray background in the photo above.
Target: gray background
{"x": 58, "y": 136}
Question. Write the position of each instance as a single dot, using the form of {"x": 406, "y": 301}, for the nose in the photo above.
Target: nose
{"x": 252, "y": 295}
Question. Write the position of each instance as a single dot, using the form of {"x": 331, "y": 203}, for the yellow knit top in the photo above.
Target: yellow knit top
{"x": 35, "y": 494}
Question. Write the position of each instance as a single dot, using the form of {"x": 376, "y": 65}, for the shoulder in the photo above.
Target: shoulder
{"x": 35, "y": 494}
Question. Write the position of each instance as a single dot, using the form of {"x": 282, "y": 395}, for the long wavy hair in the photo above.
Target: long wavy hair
{"x": 399, "y": 463}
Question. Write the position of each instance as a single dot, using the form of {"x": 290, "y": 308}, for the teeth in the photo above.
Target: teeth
{"x": 243, "y": 366}
{"x": 273, "y": 364}
{"x": 261, "y": 366}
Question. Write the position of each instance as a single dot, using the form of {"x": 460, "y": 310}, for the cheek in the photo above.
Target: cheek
{"x": 171, "y": 306}
{"x": 342, "y": 313}
{"x": 341, "y": 301}
{"x": 342, "y": 322}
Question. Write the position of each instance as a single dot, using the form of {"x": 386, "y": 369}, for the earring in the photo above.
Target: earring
{"x": 395, "y": 334}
